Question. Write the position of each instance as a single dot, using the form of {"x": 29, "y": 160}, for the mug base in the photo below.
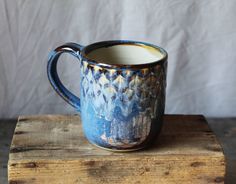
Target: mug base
{"x": 118, "y": 150}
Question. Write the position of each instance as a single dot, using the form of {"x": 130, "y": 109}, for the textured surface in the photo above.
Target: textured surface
{"x": 53, "y": 146}
{"x": 122, "y": 105}
{"x": 223, "y": 128}
{"x": 122, "y": 108}
{"x": 200, "y": 37}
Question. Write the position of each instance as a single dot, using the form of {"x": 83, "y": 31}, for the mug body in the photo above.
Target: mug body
{"x": 122, "y": 93}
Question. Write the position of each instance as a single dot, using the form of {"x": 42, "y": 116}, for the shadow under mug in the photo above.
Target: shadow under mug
{"x": 122, "y": 91}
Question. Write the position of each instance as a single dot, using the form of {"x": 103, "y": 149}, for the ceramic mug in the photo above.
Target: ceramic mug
{"x": 122, "y": 91}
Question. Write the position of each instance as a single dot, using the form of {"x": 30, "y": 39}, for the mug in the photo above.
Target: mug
{"x": 122, "y": 91}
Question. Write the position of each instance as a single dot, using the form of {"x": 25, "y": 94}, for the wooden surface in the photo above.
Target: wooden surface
{"x": 224, "y": 128}
{"x": 53, "y": 149}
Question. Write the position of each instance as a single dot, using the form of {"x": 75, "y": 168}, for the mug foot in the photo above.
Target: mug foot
{"x": 118, "y": 150}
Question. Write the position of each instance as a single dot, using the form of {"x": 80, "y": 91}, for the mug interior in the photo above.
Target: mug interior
{"x": 134, "y": 53}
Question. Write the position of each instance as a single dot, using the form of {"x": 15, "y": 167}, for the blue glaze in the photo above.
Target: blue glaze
{"x": 70, "y": 48}
{"x": 121, "y": 106}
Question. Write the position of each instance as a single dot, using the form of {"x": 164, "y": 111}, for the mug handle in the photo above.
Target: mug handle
{"x": 75, "y": 50}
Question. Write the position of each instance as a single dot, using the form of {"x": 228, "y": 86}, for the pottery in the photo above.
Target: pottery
{"x": 122, "y": 91}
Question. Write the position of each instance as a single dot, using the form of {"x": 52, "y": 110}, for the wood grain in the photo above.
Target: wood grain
{"x": 52, "y": 149}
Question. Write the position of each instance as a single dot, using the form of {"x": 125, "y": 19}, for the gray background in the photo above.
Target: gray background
{"x": 200, "y": 37}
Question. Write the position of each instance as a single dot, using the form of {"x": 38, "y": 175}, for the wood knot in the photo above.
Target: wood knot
{"x": 16, "y": 182}
{"x": 21, "y": 149}
{"x": 15, "y": 150}
{"x": 12, "y": 182}
{"x": 197, "y": 164}
{"x": 31, "y": 165}
{"x": 19, "y": 132}
{"x": 167, "y": 173}
{"x": 23, "y": 119}
{"x": 147, "y": 169}
{"x": 89, "y": 163}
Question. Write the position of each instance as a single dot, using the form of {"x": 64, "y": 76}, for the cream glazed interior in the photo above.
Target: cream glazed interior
{"x": 126, "y": 54}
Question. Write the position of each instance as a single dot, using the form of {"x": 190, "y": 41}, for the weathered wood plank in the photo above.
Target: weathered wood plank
{"x": 53, "y": 148}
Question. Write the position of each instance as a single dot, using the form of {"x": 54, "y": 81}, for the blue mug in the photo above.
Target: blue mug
{"x": 122, "y": 91}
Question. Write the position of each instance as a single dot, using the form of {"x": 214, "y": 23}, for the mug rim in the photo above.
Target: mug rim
{"x": 101, "y": 44}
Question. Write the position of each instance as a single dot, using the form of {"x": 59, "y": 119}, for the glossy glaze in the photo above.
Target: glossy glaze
{"x": 121, "y": 105}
